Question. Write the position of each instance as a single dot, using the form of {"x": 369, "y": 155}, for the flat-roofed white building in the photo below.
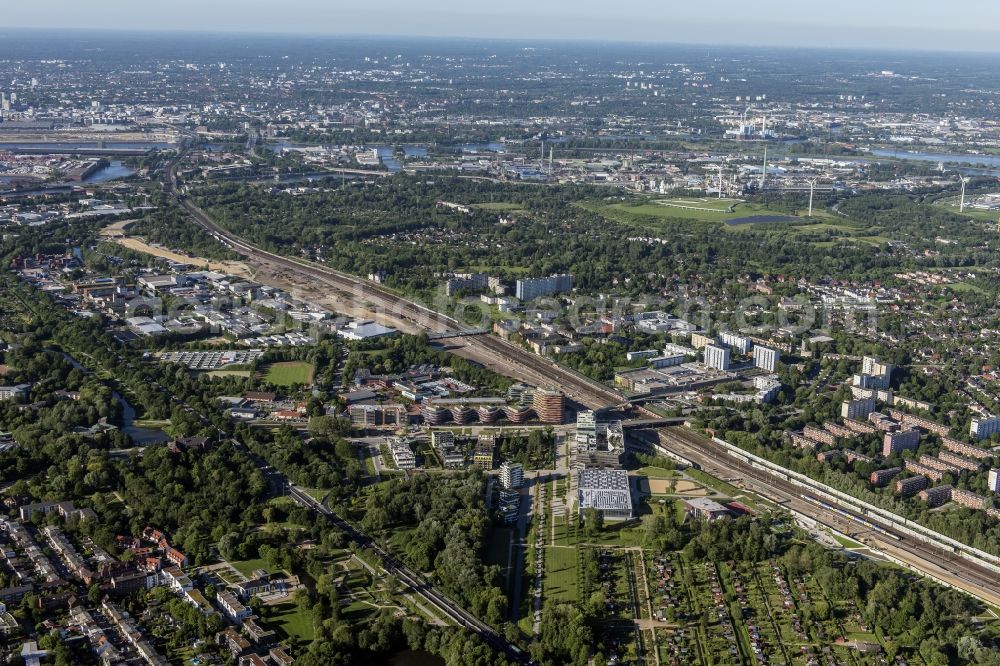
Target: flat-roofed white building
{"x": 717, "y": 357}
{"x": 984, "y": 428}
{"x": 365, "y": 330}
{"x": 857, "y": 409}
{"x": 606, "y": 490}
{"x": 994, "y": 480}
{"x": 741, "y": 343}
{"x": 765, "y": 358}
{"x": 402, "y": 454}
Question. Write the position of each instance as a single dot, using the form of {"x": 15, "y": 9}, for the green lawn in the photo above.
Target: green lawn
{"x": 288, "y": 373}
{"x": 965, "y": 286}
{"x": 246, "y": 567}
{"x": 560, "y": 574}
{"x": 290, "y": 621}
{"x": 712, "y": 482}
{"x": 683, "y": 208}
{"x": 656, "y": 473}
{"x": 619, "y": 533}
{"x": 847, "y": 543}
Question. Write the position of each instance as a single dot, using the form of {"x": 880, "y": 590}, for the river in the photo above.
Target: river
{"x": 139, "y": 436}
{"x": 947, "y": 158}
{"x": 115, "y": 169}
{"x": 491, "y": 147}
{"x": 387, "y": 155}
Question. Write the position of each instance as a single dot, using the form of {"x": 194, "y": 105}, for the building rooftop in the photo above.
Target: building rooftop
{"x": 604, "y": 489}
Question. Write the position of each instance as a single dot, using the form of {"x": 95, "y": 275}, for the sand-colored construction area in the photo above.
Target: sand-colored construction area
{"x": 671, "y": 487}
{"x": 117, "y": 232}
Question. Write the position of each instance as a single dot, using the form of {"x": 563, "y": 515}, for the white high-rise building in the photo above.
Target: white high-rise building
{"x": 874, "y": 374}
{"x": 717, "y": 357}
{"x": 983, "y": 428}
{"x": 511, "y": 475}
{"x": 873, "y": 366}
{"x": 530, "y": 288}
{"x": 857, "y": 409}
{"x": 741, "y": 343}
{"x": 765, "y": 358}
{"x": 586, "y": 426}
{"x": 993, "y": 483}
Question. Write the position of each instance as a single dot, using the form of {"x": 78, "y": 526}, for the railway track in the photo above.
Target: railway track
{"x": 413, "y": 580}
{"x": 581, "y": 389}
{"x": 936, "y": 561}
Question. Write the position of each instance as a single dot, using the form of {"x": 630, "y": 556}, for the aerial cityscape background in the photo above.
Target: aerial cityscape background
{"x": 887, "y": 24}
{"x": 440, "y": 334}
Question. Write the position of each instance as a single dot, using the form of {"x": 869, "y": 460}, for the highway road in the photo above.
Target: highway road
{"x": 490, "y": 350}
{"x": 936, "y": 561}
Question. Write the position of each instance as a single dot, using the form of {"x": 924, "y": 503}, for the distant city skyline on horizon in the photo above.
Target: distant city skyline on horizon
{"x": 851, "y": 24}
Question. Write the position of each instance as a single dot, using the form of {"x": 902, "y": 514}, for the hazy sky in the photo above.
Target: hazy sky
{"x": 849, "y": 23}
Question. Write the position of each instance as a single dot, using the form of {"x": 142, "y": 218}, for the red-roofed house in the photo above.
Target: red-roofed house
{"x": 150, "y": 534}
{"x": 176, "y": 557}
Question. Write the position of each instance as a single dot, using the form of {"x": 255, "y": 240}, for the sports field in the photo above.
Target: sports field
{"x": 288, "y": 373}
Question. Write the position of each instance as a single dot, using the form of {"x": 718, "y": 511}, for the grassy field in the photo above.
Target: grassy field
{"x": 560, "y": 574}
{"x": 152, "y": 423}
{"x": 847, "y": 543}
{"x": 246, "y": 567}
{"x": 288, "y": 373}
{"x": 290, "y": 621}
{"x": 227, "y": 373}
{"x": 953, "y": 205}
{"x": 712, "y": 482}
{"x": 654, "y": 212}
{"x": 657, "y": 473}
{"x": 659, "y": 215}
{"x": 966, "y": 286}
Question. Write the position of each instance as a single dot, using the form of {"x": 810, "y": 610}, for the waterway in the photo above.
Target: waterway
{"x": 54, "y": 189}
{"x": 414, "y": 151}
{"x": 387, "y": 155}
{"x": 115, "y": 169}
{"x": 947, "y": 158}
{"x": 139, "y": 436}
{"x": 491, "y": 147}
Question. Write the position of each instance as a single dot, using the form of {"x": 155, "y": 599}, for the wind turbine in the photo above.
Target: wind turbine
{"x": 720, "y": 180}
{"x": 812, "y": 187}
{"x": 961, "y": 205}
